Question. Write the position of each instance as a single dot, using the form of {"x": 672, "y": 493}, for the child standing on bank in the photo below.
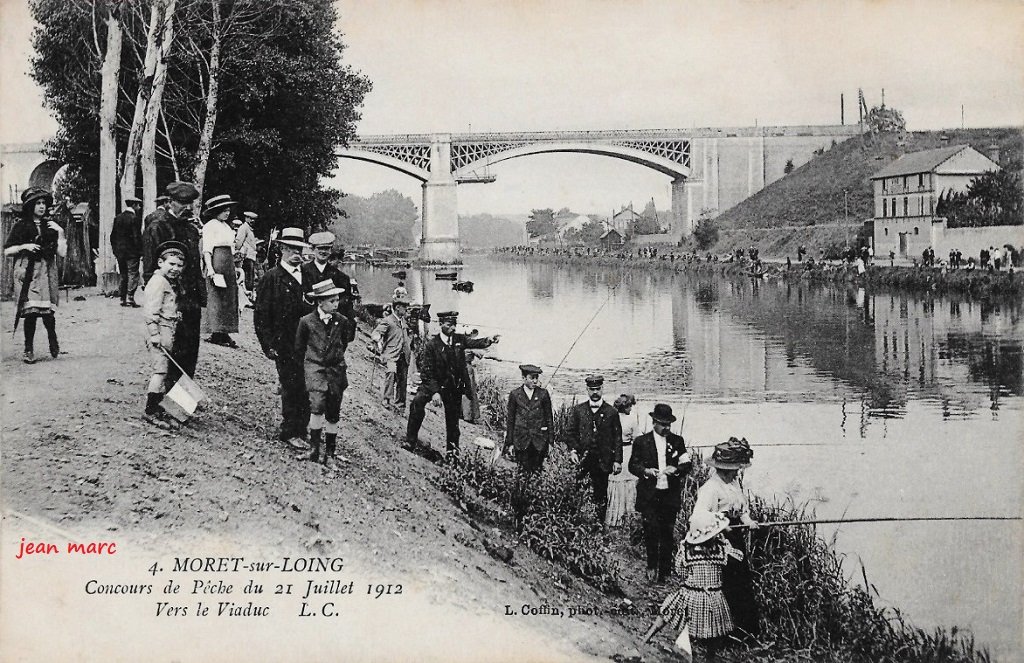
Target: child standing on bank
{"x": 161, "y": 315}
{"x": 321, "y": 339}
{"x": 699, "y": 606}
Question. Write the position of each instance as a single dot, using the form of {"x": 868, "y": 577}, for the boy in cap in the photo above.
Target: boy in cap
{"x": 595, "y": 442}
{"x": 320, "y": 268}
{"x": 529, "y": 420}
{"x": 161, "y": 316}
{"x": 392, "y": 344}
{"x": 442, "y": 364}
{"x": 174, "y": 224}
{"x": 279, "y": 307}
{"x": 320, "y": 340}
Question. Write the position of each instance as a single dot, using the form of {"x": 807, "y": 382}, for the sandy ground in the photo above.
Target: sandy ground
{"x": 78, "y": 461}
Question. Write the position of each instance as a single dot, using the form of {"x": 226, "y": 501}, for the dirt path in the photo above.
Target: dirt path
{"x": 77, "y": 456}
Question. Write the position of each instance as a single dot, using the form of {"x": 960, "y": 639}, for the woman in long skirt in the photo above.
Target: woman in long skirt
{"x": 722, "y": 493}
{"x": 622, "y": 486}
{"x": 34, "y": 243}
{"x": 220, "y": 318}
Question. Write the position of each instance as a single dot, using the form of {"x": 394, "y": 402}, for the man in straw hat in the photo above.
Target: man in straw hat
{"x": 442, "y": 364}
{"x": 320, "y": 340}
{"x": 529, "y": 421}
{"x": 174, "y": 224}
{"x": 595, "y": 441}
{"x": 126, "y": 243}
{"x": 245, "y": 248}
{"x": 391, "y": 341}
{"x": 659, "y": 461}
{"x": 319, "y": 268}
{"x": 279, "y": 307}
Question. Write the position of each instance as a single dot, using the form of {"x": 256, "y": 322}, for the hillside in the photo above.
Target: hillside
{"x": 813, "y": 193}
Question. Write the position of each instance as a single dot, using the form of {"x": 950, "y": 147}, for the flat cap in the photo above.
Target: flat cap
{"x": 594, "y": 381}
{"x": 448, "y": 315}
{"x": 182, "y": 192}
{"x": 530, "y": 369}
{"x": 322, "y": 239}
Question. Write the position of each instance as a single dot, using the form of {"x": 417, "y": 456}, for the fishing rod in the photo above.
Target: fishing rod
{"x": 881, "y": 519}
{"x": 594, "y": 317}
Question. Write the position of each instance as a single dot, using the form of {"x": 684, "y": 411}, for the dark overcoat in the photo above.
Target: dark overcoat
{"x": 443, "y": 368}
{"x": 645, "y": 455}
{"x": 162, "y": 226}
{"x": 528, "y": 421}
{"x": 601, "y": 433}
{"x": 311, "y": 276}
{"x": 279, "y": 307}
{"x": 126, "y": 236}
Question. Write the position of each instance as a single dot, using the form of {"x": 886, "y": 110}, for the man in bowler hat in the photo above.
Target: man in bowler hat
{"x": 174, "y": 224}
{"x": 442, "y": 364}
{"x": 528, "y": 422}
{"x": 660, "y": 461}
{"x": 595, "y": 441}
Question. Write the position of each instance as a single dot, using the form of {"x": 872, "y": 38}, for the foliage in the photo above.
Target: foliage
{"x": 646, "y": 225}
{"x": 885, "y": 120}
{"x": 487, "y": 230}
{"x": 788, "y": 168}
{"x": 705, "y": 232}
{"x": 386, "y": 218}
{"x": 286, "y": 100}
{"x": 993, "y": 199}
{"x": 541, "y": 222}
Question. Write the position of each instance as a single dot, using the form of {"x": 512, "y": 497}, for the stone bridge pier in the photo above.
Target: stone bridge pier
{"x": 440, "y": 211}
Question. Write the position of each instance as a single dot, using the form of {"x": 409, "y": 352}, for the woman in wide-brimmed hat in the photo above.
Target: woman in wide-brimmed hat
{"x": 220, "y": 318}
{"x": 722, "y": 493}
{"x": 35, "y": 242}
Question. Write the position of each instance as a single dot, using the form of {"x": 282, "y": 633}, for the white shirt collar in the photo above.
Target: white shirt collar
{"x": 529, "y": 392}
{"x": 325, "y": 317}
{"x": 447, "y": 340}
{"x": 595, "y": 406}
{"x": 295, "y": 272}
{"x": 320, "y": 266}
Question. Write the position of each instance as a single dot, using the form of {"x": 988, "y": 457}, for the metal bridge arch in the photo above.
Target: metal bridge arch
{"x": 421, "y": 173}
{"x": 674, "y": 165}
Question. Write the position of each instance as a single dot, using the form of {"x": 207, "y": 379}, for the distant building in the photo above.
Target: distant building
{"x": 612, "y": 239}
{"x": 623, "y": 220}
{"x": 907, "y": 191}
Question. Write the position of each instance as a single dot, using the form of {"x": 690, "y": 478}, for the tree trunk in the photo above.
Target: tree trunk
{"x": 106, "y": 275}
{"x": 148, "y": 152}
{"x": 210, "y": 120}
{"x": 129, "y": 175}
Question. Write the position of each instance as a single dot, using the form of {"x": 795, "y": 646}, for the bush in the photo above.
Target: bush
{"x": 706, "y": 233}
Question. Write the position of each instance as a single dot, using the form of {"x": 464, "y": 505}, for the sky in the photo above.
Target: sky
{"x": 484, "y": 65}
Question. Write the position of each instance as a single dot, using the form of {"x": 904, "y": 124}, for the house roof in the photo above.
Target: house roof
{"x": 924, "y": 161}
{"x": 609, "y": 232}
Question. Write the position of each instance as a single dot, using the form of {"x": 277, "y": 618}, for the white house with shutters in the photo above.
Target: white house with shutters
{"x": 907, "y": 191}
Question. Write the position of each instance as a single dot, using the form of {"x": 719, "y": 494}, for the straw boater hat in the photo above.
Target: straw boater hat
{"x": 216, "y": 204}
{"x": 705, "y": 525}
{"x": 321, "y": 239}
{"x": 732, "y": 455}
{"x": 252, "y": 216}
{"x": 325, "y": 288}
{"x": 292, "y": 237}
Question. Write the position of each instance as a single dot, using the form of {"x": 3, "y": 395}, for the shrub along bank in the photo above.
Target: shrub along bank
{"x": 810, "y": 608}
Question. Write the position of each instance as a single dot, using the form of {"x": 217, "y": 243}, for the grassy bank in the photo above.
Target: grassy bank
{"x": 812, "y": 608}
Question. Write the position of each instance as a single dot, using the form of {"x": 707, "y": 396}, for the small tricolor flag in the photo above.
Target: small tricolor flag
{"x": 683, "y": 643}
{"x": 182, "y": 399}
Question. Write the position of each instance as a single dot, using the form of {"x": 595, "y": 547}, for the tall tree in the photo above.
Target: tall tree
{"x": 541, "y": 222}
{"x": 110, "y": 75}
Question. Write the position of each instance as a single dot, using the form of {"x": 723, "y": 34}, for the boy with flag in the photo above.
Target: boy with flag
{"x": 320, "y": 341}
{"x": 161, "y": 315}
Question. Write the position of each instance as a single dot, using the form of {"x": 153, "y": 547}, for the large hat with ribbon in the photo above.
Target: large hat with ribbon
{"x": 31, "y": 195}
{"x": 325, "y": 288}
{"x": 732, "y": 455}
{"x": 217, "y": 204}
{"x": 705, "y": 525}
{"x": 292, "y": 237}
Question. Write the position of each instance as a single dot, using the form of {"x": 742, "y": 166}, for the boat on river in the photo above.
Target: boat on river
{"x": 446, "y": 276}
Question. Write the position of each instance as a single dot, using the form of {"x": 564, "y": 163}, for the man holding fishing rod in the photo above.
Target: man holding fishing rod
{"x": 444, "y": 377}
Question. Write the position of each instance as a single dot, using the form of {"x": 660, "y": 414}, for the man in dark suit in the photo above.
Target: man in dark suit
{"x": 595, "y": 442}
{"x": 528, "y": 422}
{"x": 660, "y": 461}
{"x": 174, "y": 223}
{"x": 319, "y": 269}
{"x": 442, "y": 364}
{"x": 126, "y": 243}
{"x": 279, "y": 307}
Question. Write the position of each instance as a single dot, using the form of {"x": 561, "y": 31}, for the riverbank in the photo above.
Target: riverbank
{"x": 977, "y": 283}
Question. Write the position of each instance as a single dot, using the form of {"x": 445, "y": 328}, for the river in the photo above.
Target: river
{"x": 858, "y": 405}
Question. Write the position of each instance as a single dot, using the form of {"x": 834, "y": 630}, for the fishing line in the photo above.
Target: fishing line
{"x": 880, "y": 519}
{"x": 594, "y": 317}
